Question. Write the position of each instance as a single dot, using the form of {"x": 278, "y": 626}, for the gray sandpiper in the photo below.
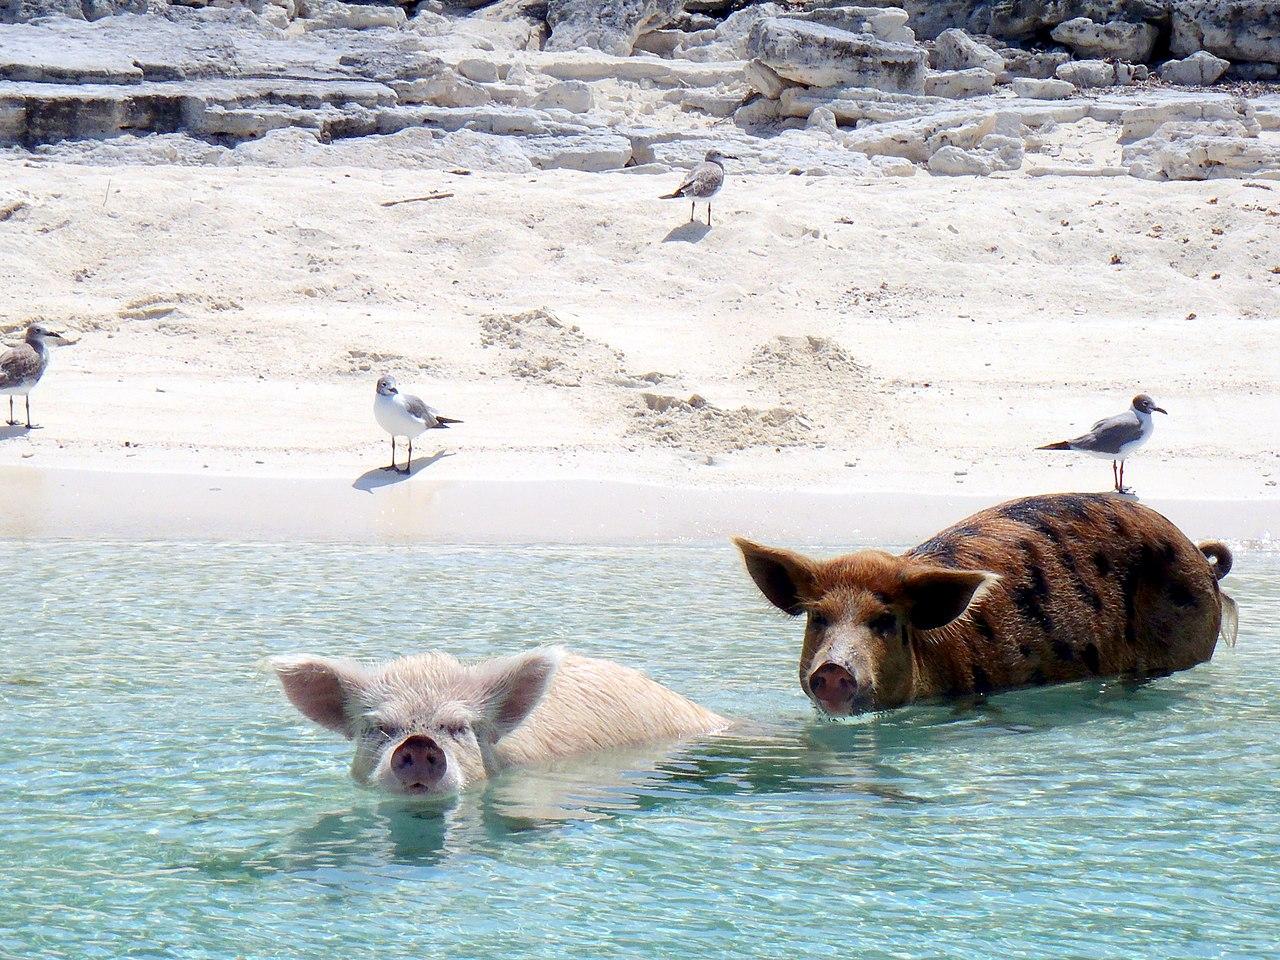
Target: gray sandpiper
{"x": 22, "y": 367}
{"x": 703, "y": 182}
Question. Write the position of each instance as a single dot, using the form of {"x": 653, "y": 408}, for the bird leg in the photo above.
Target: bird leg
{"x": 393, "y": 455}
{"x": 28, "y": 411}
{"x": 1122, "y": 486}
{"x": 1115, "y": 477}
{"x": 693, "y": 207}
{"x": 708, "y": 213}
{"x": 408, "y": 464}
{"x": 12, "y": 422}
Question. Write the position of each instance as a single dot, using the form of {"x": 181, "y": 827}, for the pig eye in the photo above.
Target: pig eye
{"x": 389, "y": 731}
{"x": 819, "y": 621}
{"x": 883, "y": 623}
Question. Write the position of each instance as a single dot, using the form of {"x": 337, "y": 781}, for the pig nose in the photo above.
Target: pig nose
{"x": 834, "y": 687}
{"x": 418, "y": 761}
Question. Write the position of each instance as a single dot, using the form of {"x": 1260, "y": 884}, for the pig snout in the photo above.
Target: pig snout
{"x": 837, "y": 690}
{"x": 418, "y": 763}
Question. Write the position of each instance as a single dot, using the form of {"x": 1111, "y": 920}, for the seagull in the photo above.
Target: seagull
{"x": 22, "y": 367}
{"x": 1116, "y": 438}
{"x": 703, "y": 183}
{"x": 402, "y": 415}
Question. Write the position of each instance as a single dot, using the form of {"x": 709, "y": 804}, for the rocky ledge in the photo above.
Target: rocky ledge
{"x": 1187, "y": 87}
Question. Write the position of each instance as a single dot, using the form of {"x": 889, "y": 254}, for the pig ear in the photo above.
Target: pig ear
{"x": 512, "y": 686}
{"x": 321, "y": 689}
{"x": 786, "y": 579}
{"x": 936, "y": 596}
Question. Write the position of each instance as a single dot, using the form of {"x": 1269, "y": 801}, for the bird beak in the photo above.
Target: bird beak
{"x": 1161, "y": 410}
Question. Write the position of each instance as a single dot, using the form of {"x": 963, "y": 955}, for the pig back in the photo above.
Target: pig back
{"x": 1090, "y": 585}
{"x": 597, "y": 704}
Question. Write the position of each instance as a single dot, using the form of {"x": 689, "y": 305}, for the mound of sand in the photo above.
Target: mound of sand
{"x": 538, "y": 346}
{"x": 703, "y": 428}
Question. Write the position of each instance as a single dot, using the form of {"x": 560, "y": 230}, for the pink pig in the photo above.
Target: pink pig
{"x": 428, "y": 725}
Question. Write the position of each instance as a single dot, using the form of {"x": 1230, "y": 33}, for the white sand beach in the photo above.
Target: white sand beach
{"x": 920, "y": 335}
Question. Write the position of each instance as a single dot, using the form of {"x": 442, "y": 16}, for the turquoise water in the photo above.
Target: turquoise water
{"x": 158, "y": 797}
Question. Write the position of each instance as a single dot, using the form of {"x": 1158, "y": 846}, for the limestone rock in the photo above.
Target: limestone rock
{"x": 764, "y": 79}
{"x": 590, "y": 152}
{"x": 956, "y": 84}
{"x": 24, "y": 11}
{"x": 1201, "y": 69}
{"x": 1116, "y": 39}
{"x": 1128, "y": 74}
{"x": 725, "y": 41}
{"x": 967, "y": 136}
{"x": 956, "y": 50}
{"x": 820, "y": 56}
{"x": 823, "y": 119}
{"x": 610, "y": 26}
{"x": 1142, "y": 122}
{"x": 1042, "y": 89}
{"x": 1202, "y": 151}
{"x": 858, "y": 104}
{"x": 910, "y": 139}
{"x": 445, "y": 89}
{"x": 883, "y": 23}
{"x": 1255, "y": 71}
{"x": 331, "y": 15}
{"x": 478, "y": 70}
{"x": 1247, "y": 30}
{"x": 1024, "y": 19}
{"x": 1035, "y": 64}
{"x": 1088, "y": 73}
{"x": 572, "y": 95}
{"x": 993, "y": 153}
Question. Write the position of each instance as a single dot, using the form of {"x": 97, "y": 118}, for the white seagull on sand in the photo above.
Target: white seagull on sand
{"x": 404, "y": 415}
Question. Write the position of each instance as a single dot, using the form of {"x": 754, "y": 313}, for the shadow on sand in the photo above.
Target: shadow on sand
{"x": 691, "y": 232}
{"x": 371, "y": 480}
{"x": 21, "y": 430}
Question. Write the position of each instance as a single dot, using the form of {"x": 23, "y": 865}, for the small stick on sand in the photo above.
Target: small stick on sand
{"x": 430, "y": 196}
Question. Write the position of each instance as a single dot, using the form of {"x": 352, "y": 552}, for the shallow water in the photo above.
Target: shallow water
{"x": 159, "y": 798}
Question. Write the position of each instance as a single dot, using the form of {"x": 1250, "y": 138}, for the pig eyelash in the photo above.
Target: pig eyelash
{"x": 388, "y": 731}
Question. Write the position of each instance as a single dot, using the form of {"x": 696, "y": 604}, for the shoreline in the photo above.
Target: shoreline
{"x": 797, "y": 373}
{"x": 380, "y": 508}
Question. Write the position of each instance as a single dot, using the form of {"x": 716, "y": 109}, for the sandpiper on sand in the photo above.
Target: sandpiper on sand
{"x": 703, "y": 183}
{"x": 403, "y": 415}
{"x": 1116, "y": 438}
{"x": 22, "y": 367}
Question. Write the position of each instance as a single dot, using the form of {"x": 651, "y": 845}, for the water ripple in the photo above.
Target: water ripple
{"x": 160, "y": 799}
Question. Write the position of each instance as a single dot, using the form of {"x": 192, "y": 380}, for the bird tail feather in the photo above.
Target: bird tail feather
{"x": 1060, "y": 445}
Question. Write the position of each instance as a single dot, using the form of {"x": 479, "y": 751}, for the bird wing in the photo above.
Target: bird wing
{"x": 18, "y": 365}
{"x": 418, "y": 409}
{"x": 704, "y": 180}
{"x": 1109, "y": 435}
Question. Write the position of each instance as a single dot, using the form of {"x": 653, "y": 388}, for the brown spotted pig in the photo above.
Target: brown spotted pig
{"x": 1037, "y": 591}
